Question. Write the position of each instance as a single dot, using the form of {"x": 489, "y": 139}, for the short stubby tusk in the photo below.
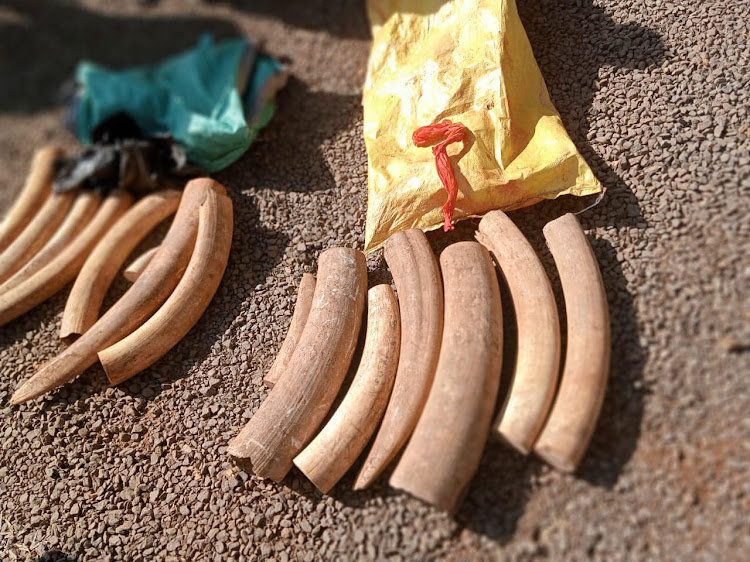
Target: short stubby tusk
{"x": 296, "y": 406}
{"x": 538, "y": 358}
{"x": 297, "y": 324}
{"x": 81, "y": 212}
{"x": 186, "y": 304}
{"x": 65, "y": 265}
{"x": 333, "y": 451}
{"x": 444, "y": 451}
{"x": 139, "y": 264}
{"x": 568, "y": 430}
{"x": 88, "y": 292}
{"x": 143, "y": 298}
{"x": 37, "y": 188}
{"x": 420, "y": 296}
{"x": 36, "y": 234}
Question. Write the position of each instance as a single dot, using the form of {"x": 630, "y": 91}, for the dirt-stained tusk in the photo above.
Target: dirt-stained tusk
{"x": 444, "y": 451}
{"x": 299, "y": 317}
{"x": 143, "y": 298}
{"x": 333, "y": 451}
{"x": 571, "y": 423}
{"x": 66, "y": 265}
{"x": 36, "y": 234}
{"x": 101, "y": 267}
{"x": 81, "y": 212}
{"x": 186, "y": 304}
{"x": 420, "y": 296}
{"x": 37, "y": 188}
{"x": 139, "y": 264}
{"x": 538, "y": 358}
{"x": 296, "y": 406}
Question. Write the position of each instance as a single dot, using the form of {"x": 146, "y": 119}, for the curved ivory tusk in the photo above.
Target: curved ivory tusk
{"x": 83, "y": 208}
{"x": 299, "y": 317}
{"x": 101, "y": 267}
{"x": 64, "y": 267}
{"x": 333, "y": 451}
{"x": 186, "y": 304}
{"x": 288, "y": 418}
{"x": 36, "y": 189}
{"x": 444, "y": 451}
{"x": 36, "y": 234}
{"x": 132, "y": 309}
{"x": 571, "y": 423}
{"x": 538, "y": 359}
{"x": 139, "y": 264}
{"x": 420, "y": 296}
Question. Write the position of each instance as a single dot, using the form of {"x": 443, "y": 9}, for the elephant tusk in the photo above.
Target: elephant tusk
{"x": 37, "y": 188}
{"x": 420, "y": 295}
{"x": 139, "y": 264}
{"x": 186, "y": 304}
{"x": 65, "y": 265}
{"x": 333, "y": 451}
{"x": 568, "y": 430}
{"x": 101, "y": 266}
{"x": 444, "y": 451}
{"x": 144, "y": 297}
{"x": 81, "y": 212}
{"x": 538, "y": 358}
{"x": 296, "y": 406}
{"x": 36, "y": 234}
{"x": 299, "y": 317}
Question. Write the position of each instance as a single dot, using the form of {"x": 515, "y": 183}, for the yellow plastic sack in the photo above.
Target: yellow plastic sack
{"x": 468, "y": 61}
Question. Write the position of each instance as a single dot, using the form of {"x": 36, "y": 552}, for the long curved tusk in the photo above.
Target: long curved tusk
{"x": 101, "y": 267}
{"x": 64, "y": 267}
{"x": 444, "y": 451}
{"x": 572, "y": 421}
{"x": 139, "y": 264}
{"x": 186, "y": 304}
{"x": 294, "y": 409}
{"x": 36, "y": 189}
{"x": 36, "y": 234}
{"x": 132, "y": 309}
{"x": 333, "y": 451}
{"x": 299, "y": 318}
{"x": 81, "y": 212}
{"x": 538, "y": 359}
{"x": 420, "y": 296}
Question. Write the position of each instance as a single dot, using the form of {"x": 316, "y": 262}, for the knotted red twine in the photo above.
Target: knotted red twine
{"x": 443, "y": 133}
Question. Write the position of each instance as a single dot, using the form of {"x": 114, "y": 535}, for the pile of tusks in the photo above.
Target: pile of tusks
{"x": 49, "y": 239}
{"x": 429, "y": 373}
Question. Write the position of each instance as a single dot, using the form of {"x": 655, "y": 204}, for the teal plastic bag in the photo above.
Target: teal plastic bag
{"x": 193, "y": 96}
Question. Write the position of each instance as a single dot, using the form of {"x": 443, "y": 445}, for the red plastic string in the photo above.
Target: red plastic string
{"x": 441, "y": 135}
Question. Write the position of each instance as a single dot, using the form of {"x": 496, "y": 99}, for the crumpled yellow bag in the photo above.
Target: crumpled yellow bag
{"x": 468, "y": 61}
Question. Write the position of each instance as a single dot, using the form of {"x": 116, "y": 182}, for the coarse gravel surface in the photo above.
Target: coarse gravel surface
{"x": 655, "y": 95}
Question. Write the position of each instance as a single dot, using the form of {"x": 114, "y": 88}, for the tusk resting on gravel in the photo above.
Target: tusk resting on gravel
{"x": 420, "y": 296}
{"x": 570, "y": 425}
{"x": 65, "y": 265}
{"x": 144, "y": 297}
{"x": 83, "y": 208}
{"x": 37, "y": 188}
{"x": 139, "y": 264}
{"x": 186, "y": 304}
{"x": 101, "y": 267}
{"x": 299, "y": 317}
{"x": 294, "y": 409}
{"x": 538, "y": 359}
{"x": 333, "y": 451}
{"x": 36, "y": 234}
{"x": 444, "y": 452}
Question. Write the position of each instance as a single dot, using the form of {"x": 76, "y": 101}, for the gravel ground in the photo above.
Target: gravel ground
{"x": 654, "y": 93}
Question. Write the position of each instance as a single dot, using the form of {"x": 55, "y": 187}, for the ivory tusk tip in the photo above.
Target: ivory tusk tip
{"x": 555, "y": 460}
{"x": 517, "y": 444}
{"x": 24, "y": 394}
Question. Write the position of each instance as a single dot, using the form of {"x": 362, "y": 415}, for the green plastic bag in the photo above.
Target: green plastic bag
{"x": 193, "y": 96}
